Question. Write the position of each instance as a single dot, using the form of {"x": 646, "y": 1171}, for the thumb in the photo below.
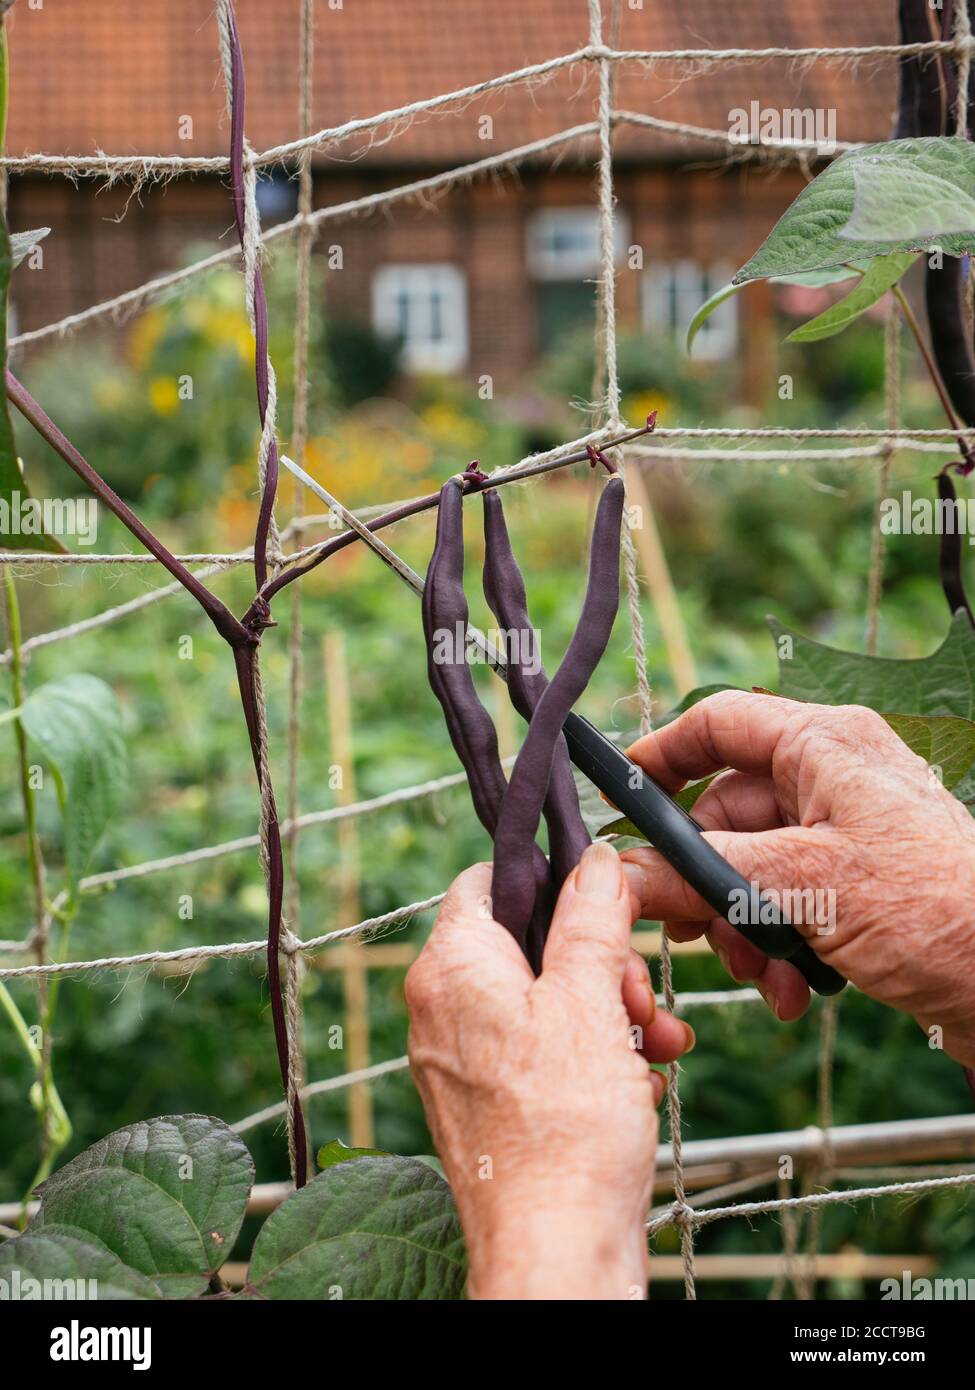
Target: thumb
{"x": 589, "y": 938}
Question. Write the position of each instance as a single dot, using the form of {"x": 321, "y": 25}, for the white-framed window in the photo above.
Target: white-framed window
{"x": 563, "y": 243}
{"x": 425, "y": 307}
{"x": 672, "y": 294}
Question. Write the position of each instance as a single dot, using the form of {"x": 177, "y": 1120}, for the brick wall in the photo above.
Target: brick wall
{"x": 105, "y": 242}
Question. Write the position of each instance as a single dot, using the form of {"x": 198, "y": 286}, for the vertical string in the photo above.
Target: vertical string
{"x": 790, "y": 1244}
{"x": 249, "y": 227}
{"x": 963, "y": 38}
{"x": 299, "y": 441}
{"x": 806, "y": 1283}
{"x": 608, "y": 393}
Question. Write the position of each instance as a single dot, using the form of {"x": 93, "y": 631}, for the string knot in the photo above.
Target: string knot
{"x": 258, "y": 618}
{"x": 289, "y": 945}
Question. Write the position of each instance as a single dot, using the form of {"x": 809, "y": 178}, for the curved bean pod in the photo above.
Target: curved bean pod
{"x": 469, "y": 725}
{"x": 504, "y": 589}
{"x": 445, "y": 611}
{"x": 513, "y": 885}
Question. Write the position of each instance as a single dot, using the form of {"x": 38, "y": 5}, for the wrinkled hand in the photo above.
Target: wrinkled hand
{"x": 829, "y": 799}
{"x": 542, "y": 1110}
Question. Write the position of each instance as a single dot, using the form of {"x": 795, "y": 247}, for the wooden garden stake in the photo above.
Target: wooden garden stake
{"x": 351, "y": 956}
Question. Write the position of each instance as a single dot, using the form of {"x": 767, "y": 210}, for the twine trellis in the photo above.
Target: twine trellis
{"x": 680, "y": 445}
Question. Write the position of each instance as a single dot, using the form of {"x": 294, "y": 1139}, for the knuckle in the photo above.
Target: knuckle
{"x": 865, "y": 724}
{"x": 419, "y": 987}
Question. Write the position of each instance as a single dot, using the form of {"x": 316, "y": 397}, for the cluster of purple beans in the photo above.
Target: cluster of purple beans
{"x": 525, "y": 883}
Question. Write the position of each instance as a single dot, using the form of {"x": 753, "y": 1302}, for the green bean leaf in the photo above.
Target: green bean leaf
{"x": 378, "y": 1228}
{"x": 813, "y": 234}
{"x": 165, "y": 1196}
{"x": 929, "y": 701}
{"x": 66, "y": 1262}
{"x": 874, "y": 284}
{"x": 337, "y": 1152}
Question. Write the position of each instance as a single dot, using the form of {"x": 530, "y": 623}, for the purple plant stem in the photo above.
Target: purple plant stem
{"x": 245, "y": 661}
{"x": 258, "y": 615}
{"x": 219, "y": 614}
{"x": 237, "y": 87}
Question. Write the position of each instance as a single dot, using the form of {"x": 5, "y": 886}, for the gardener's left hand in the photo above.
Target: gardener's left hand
{"x": 542, "y": 1111}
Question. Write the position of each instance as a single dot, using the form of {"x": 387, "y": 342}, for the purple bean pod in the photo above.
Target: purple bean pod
{"x": 468, "y": 723}
{"x": 445, "y": 613}
{"x": 504, "y": 589}
{"x": 512, "y": 885}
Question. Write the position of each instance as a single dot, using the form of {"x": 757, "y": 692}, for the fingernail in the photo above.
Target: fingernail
{"x": 690, "y": 1037}
{"x": 633, "y": 875}
{"x": 659, "y": 1083}
{"x": 598, "y": 874}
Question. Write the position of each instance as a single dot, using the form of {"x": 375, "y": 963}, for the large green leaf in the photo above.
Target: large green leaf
{"x": 808, "y": 236}
{"x": 942, "y": 683}
{"x": 166, "y": 1196}
{"x": 929, "y": 702}
{"x": 65, "y": 1262}
{"x": 883, "y": 272}
{"x": 888, "y": 207}
{"x": 379, "y": 1228}
{"x": 945, "y": 741}
{"x": 78, "y": 724}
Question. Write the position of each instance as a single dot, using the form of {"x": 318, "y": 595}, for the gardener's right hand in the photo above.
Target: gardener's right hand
{"x": 829, "y": 799}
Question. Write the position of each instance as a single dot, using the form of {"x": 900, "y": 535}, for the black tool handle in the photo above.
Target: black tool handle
{"x": 679, "y": 839}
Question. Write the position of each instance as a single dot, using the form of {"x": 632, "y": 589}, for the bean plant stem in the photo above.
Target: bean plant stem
{"x": 218, "y": 613}
{"x": 911, "y": 320}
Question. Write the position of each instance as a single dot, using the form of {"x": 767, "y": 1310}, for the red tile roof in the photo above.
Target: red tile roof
{"x": 94, "y": 74}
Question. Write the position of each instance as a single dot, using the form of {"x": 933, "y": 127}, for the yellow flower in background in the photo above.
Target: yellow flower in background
{"x": 145, "y": 337}
{"x": 228, "y": 327}
{"x": 163, "y": 395}
{"x": 637, "y": 408}
{"x": 447, "y": 425}
{"x": 109, "y": 393}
